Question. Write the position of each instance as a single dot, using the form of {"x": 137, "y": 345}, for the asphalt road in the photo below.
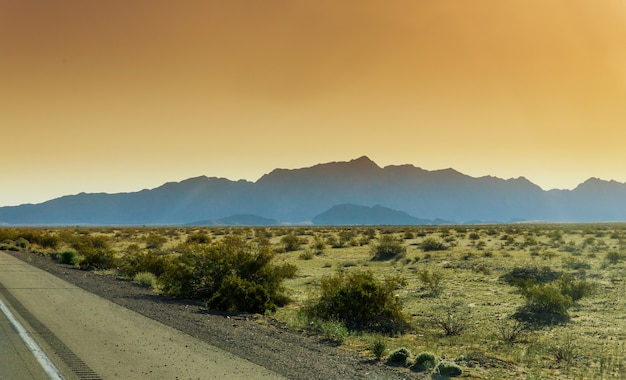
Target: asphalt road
{"x": 17, "y": 361}
{"x": 88, "y": 337}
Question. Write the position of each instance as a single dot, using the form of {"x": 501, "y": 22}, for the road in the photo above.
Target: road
{"x": 88, "y": 337}
{"x": 18, "y": 361}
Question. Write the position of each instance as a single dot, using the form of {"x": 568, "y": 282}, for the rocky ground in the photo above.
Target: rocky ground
{"x": 258, "y": 339}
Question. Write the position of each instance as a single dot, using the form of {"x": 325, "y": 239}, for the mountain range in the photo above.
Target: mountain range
{"x": 328, "y": 193}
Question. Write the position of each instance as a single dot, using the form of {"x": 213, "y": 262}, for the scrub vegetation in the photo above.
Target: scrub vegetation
{"x": 485, "y": 302}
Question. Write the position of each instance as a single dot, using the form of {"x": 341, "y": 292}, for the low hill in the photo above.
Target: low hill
{"x": 237, "y": 220}
{"x": 350, "y": 214}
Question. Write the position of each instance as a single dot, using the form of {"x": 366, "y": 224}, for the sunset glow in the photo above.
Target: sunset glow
{"x": 117, "y": 96}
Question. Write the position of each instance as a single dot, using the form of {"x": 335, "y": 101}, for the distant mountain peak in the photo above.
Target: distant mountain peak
{"x": 363, "y": 160}
{"x": 297, "y": 195}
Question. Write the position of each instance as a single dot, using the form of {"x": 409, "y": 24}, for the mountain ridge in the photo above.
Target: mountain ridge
{"x": 295, "y": 196}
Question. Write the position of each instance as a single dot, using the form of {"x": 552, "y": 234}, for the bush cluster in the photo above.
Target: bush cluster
{"x": 424, "y": 361}
{"x": 230, "y": 275}
{"x": 359, "y": 300}
{"x": 399, "y": 356}
{"x": 431, "y": 244}
{"x": 388, "y": 248}
{"x": 547, "y": 294}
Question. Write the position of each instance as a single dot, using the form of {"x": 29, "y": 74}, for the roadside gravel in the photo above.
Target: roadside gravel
{"x": 258, "y": 339}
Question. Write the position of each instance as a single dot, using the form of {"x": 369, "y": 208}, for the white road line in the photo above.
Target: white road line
{"x": 49, "y": 368}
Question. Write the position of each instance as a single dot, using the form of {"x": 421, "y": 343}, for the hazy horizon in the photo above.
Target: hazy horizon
{"x": 287, "y": 168}
{"x": 118, "y": 96}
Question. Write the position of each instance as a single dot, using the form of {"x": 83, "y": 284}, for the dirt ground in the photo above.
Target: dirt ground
{"x": 258, "y": 339}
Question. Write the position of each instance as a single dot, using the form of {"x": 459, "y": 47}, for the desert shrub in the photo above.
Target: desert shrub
{"x": 236, "y": 293}
{"x": 155, "y": 241}
{"x": 388, "y": 248}
{"x": 201, "y": 238}
{"x": 431, "y": 244}
{"x": 8, "y": 245}
{"x": 84, "y": 243}
{"x": 613, "y": 257}
{"x": 547, "y": 299}
{"x": 99, "y": 258}
{"x": 69, "y": 257}
{"x": 399, "y": 356}
{"x": 509, "y": 330}
{"x": 544, "y": 304}
{"x": 145, "y": 279}
{"x": 47, "y": 240}
{"x": 347, "y": 237}
{"x": 564, "y": 349}
{"x": 448, "y": 369}
{"x": 230, "y": 275}
{"x": 291, "y": 242}
{"x": 306, "y": 255}
{"x": 431, "y": 280}
{"x": 575, "y": 288}
{"x": 424, "y": 361}
{"x": 360, "y": 301}
{"x": 318, "y": 245}
{"x": 575, "y": 264}
{"x": 378, "y": 346}
{"x": 136, "y": 261}
{"x": 530, "y": 274}
{"x": 22, "y": 243}
{"x": 333, "y": 331}
{"x": 451, "y": 317}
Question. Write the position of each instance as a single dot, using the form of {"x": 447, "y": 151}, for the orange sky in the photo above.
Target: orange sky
{"x": 121, "y": 95}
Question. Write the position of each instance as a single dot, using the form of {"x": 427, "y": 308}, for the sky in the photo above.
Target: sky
{"x": 121, "y": 95}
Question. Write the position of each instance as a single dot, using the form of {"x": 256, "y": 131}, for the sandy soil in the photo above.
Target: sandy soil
{"x": 258, "y": 339}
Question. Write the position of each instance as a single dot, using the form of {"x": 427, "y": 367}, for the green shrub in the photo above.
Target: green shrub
{"x": 238, "y": 294}
{"x": 378, "y": 346}
{"x": 574, "y": 288}
{"x": 145, "y": 279}
{"x": 360, "y": 301}
{"x": 136, "y": 261}
{"x": 575, "y": 264}
{"x": 155, "y": 241}
{"x": 388, "y": 248}
{"x": 544, "y": 304}
{"x": 47, "y": 240}
{"x": 230, "y": 275}
{"x": 431, "y": 280}
{"x": 613, "y": 257}
{"x": 509, "y": 330}
{"x": 448, "y": 368}
{"x": 8, "y": 245}
{"x": 291, "y": 242}
{"x": 307, "y": 255}
{"x": 399, "y": 356}
{"x": 451, "y": 317}
{"x": 333, "y": 331}
{"x": 424, "y": 361}
{"x": 69, "y": 257}
{"x": 318, "y": 245}
{"x": 431, "y": 244}
{"x": 199, "y": 238}
{"x": 98, "y": 259}
{"x": 22, "y": 243}
{"x": 520, "y": 275}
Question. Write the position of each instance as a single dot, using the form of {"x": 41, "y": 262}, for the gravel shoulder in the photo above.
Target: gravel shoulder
{"x": 259, "y": 339}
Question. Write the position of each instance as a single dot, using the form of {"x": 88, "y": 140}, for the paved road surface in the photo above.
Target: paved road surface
{"x": 88, "y": 337}
{"x": 17, "y": 362}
